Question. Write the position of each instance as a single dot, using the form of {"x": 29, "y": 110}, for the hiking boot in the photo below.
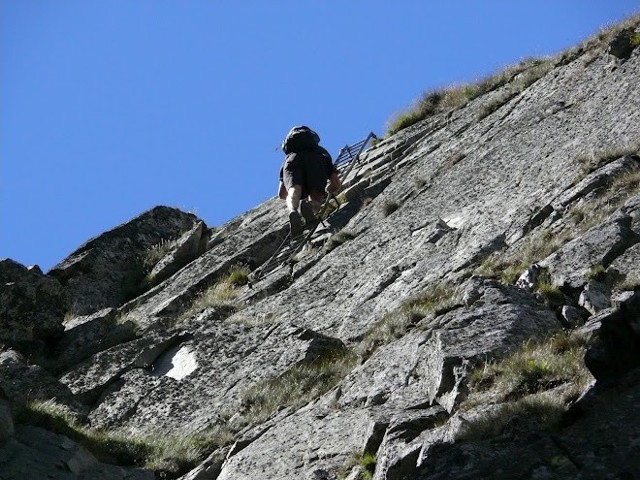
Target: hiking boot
{"x": 310, "y": 219}
{"x": 295, "y": 224}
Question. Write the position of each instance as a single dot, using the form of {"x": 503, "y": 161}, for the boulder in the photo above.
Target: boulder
{"x": 32, "y": 307}
{"x": 316, "y": 440}
{"x": 36, "y": 453}
{"x": 137, "y": 395}
{"x": 600, "y": 245}
{"x": 400, "y": 448}
{"x": 572, "y": 316}
{"x": 87, "y": 335}
{"x": 615, "y": 333}
{"x": 623, "y": 43}
{"x": 570, "y": 450}
{"x": 595, "y": 296}
{"x": 22, "y": 382}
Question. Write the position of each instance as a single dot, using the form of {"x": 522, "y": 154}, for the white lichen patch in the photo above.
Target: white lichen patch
{"x": 177, "y": 363}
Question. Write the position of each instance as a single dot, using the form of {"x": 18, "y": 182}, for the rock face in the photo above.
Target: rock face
{"x": 32, "y": 307}
{"x": 109, "y": 270}
{"x": 420, "y": 335}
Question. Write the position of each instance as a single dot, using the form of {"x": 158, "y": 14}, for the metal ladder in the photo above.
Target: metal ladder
{"x": 350, "y": 154}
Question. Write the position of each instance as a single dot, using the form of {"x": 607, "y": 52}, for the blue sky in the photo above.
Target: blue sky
{"x": 108, "y": 108}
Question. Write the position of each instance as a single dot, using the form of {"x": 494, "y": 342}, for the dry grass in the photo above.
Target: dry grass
{"x": 537, "y": 367}
{"x": 389, "y": 206}
{"x": 596, "y": 272}
{"x": 606, "y": 201}
{"x": 338, "y": 239}
{"x": 366, "y": 463}
{"x": 390, "y": 327}
{"x": 543, "y": 411}
{"x": 394, "y": 325}
{"x": 156, "y": 253}
{"x": 419, "y": 182}
{"x": 627, "y": 283}
{"x": 297, "y": 386}
{"x": 222, "y": 293}
{"x": 162, "y": 453}
{"x": 437, "y": 299}
{"x": 454, "y": 97}
{"x": 547, "y": 290}
{"x": 534, "y": 249}
{"x": 595, "y": 159}
{"x": 516, "y": 78}
{"x": 523, "y": 385}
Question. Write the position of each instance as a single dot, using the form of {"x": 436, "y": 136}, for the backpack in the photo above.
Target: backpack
{"x": 300, "y": 139}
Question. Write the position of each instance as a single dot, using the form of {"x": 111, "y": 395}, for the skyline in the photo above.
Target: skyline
{"x": 109, "y": 111}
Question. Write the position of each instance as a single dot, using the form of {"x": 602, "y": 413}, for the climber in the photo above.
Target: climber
{"x": 307, "y": 173}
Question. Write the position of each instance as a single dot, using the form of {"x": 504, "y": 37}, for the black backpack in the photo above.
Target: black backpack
{"x": 300, "y": 139}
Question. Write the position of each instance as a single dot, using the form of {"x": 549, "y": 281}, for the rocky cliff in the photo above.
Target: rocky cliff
{"x": 469, "y": 311}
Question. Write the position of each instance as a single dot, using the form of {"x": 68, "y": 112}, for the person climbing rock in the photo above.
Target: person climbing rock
{"x": 306, "y": 177}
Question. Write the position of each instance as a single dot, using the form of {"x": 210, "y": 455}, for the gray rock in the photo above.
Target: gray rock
{"x": 529, "y": 278}
{"x": 473, "y": 291}
{"x": 210, "y": 468}
{"x": 89, "y": 334}
{"x": 35, "y": 453}
{"x": 107, "y": 271}
{"x": 138, "y": 398}
{"x": 595, "y": 296}
{"x": 627, "y": 265}
{"x": 615, "y": 341}
{"x": 314, "y": 440}
{"x": 94, "y": 375}
{"x": 430, "y": 366}
{"x": 572, "y": 451}
{"x": 32, "y": 307}
{"x": 400, "y": 449}
{"x": 598, "y": 246}
{"x": 595, "y": 180}
{"x": 192, "y": 244}
{"x": 22, "y": 382}
{"x": 622, "y": 44}
{"x": 572, "y": 316}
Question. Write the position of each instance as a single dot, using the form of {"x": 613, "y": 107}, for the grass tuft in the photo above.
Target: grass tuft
{"x": 419, "y": 182}
{"x": 454, "y": 97}
{"x": 549, "y": 292}
{"x": 366, "y": 463}
{"x": 338, "y": 239}
{"x": 436, "y": 300}
{"x": 389, "y": 206}
{"x": 597, "y": 272}
{"x": 297, "y": 386}
{"x": 238, "y": 275}
{"x": 536, "y": 367}
{"x": 222, "y": 293}
{"x": 543, "y": 411}
{"x": 534, "y": 249}
{"x": 592, "y": 161}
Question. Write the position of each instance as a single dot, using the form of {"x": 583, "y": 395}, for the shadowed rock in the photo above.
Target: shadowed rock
{"x": 32, "y": 307}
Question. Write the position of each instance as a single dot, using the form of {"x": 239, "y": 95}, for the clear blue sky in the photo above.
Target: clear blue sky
{"x": 108, "y": 108}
